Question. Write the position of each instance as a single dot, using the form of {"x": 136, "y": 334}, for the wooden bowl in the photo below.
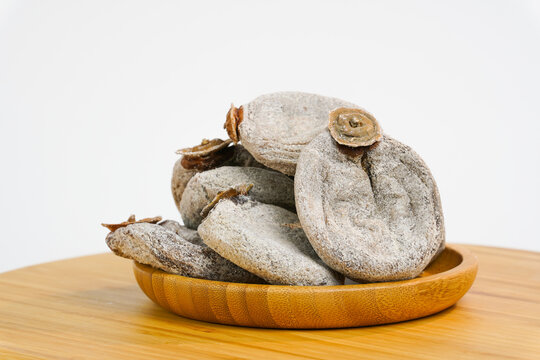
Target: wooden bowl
{"x": 440, "y": 286}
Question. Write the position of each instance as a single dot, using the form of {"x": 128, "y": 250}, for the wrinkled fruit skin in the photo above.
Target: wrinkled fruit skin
{"x": 176, "y": 250}
{"x": 181, "y": 175}
{"x": 179, "y": 181}
{"x": 253, "y": 236}
{"x": 270, "y": 187}
{"x": 275, "y": 127}
{"x": 373, "y": 214}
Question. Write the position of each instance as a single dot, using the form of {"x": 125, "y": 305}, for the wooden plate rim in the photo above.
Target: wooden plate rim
{"x": 468, "y": 262}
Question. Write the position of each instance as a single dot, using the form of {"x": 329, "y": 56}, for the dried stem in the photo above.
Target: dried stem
{"x": 233, "y": 119}
{"x": 226, "y": 194}
{"x": 131, "y": 220}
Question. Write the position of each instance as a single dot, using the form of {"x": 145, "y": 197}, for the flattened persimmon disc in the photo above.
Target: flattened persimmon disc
{"x": 373, "y": 214}
{"x": 275, "y": 127}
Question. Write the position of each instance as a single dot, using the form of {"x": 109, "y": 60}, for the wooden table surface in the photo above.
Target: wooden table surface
{"x": 92, "y": 308}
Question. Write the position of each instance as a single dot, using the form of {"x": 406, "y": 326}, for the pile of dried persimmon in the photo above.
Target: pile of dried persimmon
{"x": 307, "y": 191}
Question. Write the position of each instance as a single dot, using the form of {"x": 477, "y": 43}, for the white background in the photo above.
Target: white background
{"x": 96, "y": 96}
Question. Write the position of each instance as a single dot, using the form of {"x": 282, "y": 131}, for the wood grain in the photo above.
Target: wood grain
{"x": 440, "y": 286}
{"x": 92, "y": 308}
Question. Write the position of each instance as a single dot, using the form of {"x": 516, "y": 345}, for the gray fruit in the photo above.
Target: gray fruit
{"x": 179, "y": 181}
{"x": 181, "y": 176}
{"x": 269, "y": 187}
{"x": 373, "y": 214}
{"x": 167, "y": 250}
{"x": 184, "y": 232}
{"x": 275, "y": 127}
{"x": 255, "y": 237}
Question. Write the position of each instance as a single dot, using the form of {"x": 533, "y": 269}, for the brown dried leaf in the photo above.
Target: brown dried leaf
{"x": 131, "y": 220}
{"x": 226, "y": 194}
{"x": 233, "y": 119}
{"x": 207, "y": 147}
{"x": 208, "y": 155}
{"x": 354, "y": 127}
{"x": 210, "y": 161}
